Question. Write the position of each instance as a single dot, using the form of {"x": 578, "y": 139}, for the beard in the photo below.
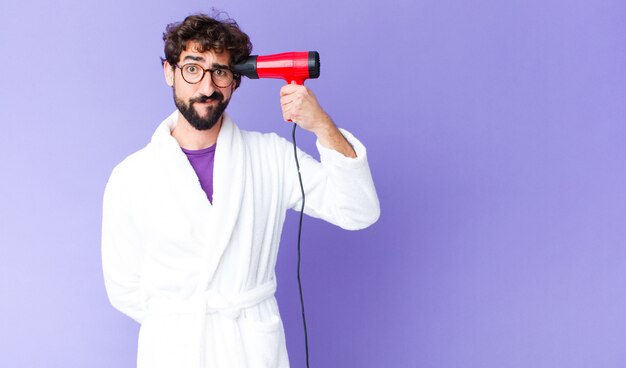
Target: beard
{"x": 213, "y": 114}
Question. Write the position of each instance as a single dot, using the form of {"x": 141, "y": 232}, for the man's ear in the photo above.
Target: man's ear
{"x": 168, "y": 72}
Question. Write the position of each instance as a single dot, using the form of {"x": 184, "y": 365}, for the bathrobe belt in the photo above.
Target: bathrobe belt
{"x": 214, "y": 302}
{"x": 210, "y": 302}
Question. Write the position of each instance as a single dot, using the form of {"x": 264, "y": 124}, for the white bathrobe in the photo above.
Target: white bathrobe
{"x": 199, "y": 277}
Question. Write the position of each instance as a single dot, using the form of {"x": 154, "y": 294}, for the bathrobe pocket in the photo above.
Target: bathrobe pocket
{"x": 264, "y": 342}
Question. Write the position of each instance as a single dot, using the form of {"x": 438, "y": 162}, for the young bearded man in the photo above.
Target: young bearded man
{"x": 192, "y": 222}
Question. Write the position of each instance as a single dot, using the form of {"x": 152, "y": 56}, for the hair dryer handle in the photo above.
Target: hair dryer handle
{"x": 295, "y": 81}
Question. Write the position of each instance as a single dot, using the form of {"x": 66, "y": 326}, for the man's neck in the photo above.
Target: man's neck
{"x": 191, "y": 138}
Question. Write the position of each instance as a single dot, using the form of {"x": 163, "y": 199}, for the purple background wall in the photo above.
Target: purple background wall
{"x": 496, "y": 138}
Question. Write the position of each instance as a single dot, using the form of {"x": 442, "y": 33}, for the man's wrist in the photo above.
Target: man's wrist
{"x": 325, "y": 129}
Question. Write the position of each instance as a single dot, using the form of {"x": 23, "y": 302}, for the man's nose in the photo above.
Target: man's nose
{"x": 206, "y": 85}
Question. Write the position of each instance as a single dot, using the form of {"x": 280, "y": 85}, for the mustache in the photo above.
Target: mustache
{"x": 214, "y": 96}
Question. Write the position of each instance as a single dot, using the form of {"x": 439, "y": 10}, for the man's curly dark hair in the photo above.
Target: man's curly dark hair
{"x": 211, "y": 34}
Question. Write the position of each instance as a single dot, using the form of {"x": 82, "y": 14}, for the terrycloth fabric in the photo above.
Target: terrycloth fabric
{"x": 200, "y": 277}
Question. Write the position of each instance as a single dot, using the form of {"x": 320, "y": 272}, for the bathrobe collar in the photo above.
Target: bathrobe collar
{"x": 229, "y": 189}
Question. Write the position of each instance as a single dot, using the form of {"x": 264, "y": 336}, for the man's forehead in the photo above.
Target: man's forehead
{"x": 193, "y": 50}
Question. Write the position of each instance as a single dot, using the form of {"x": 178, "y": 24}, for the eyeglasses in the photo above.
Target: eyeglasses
{"x": 193, "y": 73}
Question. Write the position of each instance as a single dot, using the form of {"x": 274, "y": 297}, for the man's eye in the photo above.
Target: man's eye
{"x": 219, "y": 72}
{"x": 192, "y": 69}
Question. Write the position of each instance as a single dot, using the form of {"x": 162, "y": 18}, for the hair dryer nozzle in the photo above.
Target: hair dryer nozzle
{"x": 290, "y": 66}
{"x": 314, "y": 64}
{"x": 247, "y": 67}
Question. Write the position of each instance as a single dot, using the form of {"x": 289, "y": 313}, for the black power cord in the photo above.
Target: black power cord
{"x": 306, "y": 335}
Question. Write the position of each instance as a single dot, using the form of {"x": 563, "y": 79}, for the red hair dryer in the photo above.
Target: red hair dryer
{"x": 290, "y": 66}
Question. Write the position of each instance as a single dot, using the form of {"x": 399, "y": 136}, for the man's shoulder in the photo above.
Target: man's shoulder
{"x": 134, "y": 164}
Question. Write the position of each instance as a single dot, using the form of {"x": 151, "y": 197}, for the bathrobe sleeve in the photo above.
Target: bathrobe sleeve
{"x": 121, "y": 247}
{"x": 338, "y": 189}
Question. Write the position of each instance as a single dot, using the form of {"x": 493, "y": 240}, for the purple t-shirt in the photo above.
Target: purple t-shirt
{"x": 202, "y": 162}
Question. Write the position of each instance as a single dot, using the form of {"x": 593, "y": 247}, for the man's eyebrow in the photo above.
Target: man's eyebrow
{"x": 195, "y": 58}
{"x": 200, "y": 58}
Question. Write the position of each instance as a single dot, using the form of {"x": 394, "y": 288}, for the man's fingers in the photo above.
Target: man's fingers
{"x": 284, "y": 101}
{"x": 288, "y": 89}
{"x": 294, "y": 100}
